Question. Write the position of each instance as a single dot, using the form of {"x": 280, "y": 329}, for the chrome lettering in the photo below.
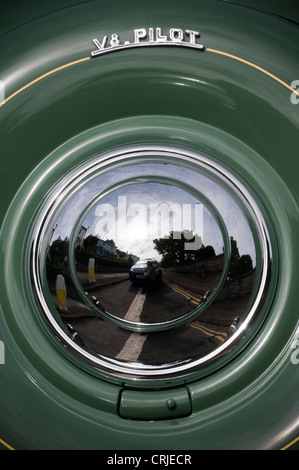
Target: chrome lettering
{"x": 193, "y": 35}
{"x": 159, "y": 35}
{"x": 138, "y": 34}
{"x": 176, "y": 34}
{"x": 101, "y": 45}
{"x": 148, "y": 37}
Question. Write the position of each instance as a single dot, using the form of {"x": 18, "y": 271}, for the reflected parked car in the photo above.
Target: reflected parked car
{"x": 138, "y": 270}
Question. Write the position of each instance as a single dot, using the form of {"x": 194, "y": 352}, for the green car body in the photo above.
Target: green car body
{"x": 236, "y": 100}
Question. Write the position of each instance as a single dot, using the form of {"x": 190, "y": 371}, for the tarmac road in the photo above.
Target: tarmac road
{"x": 159, "y": 304}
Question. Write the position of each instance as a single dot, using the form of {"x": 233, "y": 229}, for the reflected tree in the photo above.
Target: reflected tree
{"x": 182, "y": 248}
{"x": 238, "y": 264}
{"x": 89, "y": 244}
{"x": 57, "y": 252}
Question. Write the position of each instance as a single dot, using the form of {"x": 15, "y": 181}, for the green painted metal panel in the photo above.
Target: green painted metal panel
{"x": 234, "y": 102}
{"x": 157, "y": 405}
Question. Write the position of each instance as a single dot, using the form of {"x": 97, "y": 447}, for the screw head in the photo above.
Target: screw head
{"x": 171, "y": 404}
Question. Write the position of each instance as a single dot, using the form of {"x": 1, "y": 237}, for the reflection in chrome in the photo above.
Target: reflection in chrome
{"x": 151, "y": 263}
{"x": 169, "y": 225}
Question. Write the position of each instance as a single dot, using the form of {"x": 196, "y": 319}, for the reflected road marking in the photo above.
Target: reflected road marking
{"x": 191, "y": 298}
{"x": 134, "y": 312}
{"x": 133, "y": 346}
{"x": 221, "y": 336}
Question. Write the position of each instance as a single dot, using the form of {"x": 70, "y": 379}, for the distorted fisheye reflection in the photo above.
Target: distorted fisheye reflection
{"x": 144, "y": 268}
{"x": 150, "y": 262}
{"x": 155, "y": 248}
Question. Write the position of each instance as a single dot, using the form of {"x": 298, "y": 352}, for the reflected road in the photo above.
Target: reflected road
{"x": 161, "y": 303}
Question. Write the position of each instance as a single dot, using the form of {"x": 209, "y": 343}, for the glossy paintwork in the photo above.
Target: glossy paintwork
{"x": 215, "y": 104}
{"x": 287, "y": 10}
{"x": 155, "y": 405}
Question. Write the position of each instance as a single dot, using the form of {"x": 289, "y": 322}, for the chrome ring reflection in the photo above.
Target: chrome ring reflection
{"x": 202, "y": 341}
{"x": 202, "y": 302}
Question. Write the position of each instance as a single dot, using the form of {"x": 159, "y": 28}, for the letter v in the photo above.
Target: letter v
{"x": 100, "y": 45}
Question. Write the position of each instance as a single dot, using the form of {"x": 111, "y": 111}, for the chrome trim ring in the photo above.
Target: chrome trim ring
{"x": 121, "y": 162}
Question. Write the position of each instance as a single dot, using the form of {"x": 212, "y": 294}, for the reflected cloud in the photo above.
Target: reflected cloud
{"x": 144, "y": 244}
{"x": 134, "y": 216}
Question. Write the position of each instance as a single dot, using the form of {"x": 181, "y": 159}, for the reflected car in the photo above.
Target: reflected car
{"x": 138, "y": 269}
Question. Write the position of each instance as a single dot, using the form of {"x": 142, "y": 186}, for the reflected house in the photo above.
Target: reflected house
{"x": 81, "y": 236}
{"x": 130, "y": 257}
{"x": 105, "y": 248}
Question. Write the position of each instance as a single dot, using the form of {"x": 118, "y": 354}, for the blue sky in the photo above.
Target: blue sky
{"x": 130, "y": 231}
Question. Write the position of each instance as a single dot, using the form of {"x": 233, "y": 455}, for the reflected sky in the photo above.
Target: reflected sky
{"x": 134, "y": 216}
{"x": 133, "y": 232}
